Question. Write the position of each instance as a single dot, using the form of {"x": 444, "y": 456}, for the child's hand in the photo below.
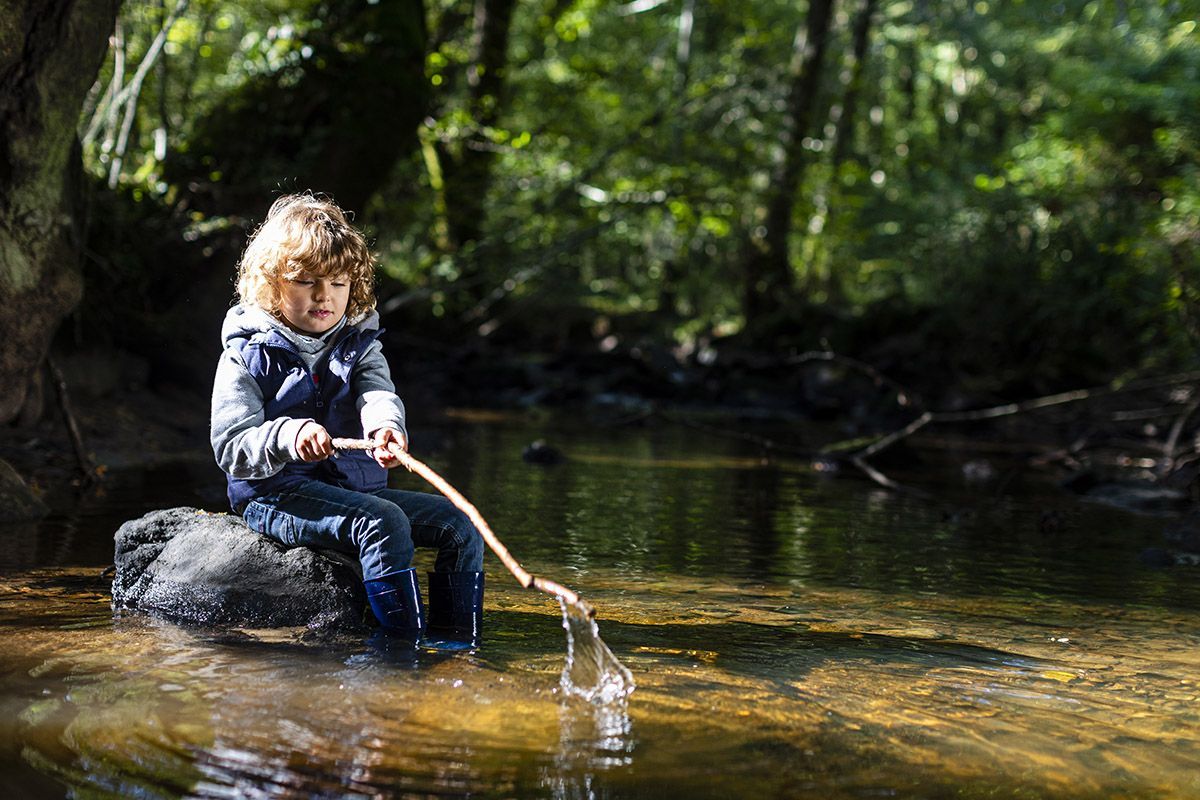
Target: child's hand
{"x": 313, "y": 442}
{"x": 389, "y": 444}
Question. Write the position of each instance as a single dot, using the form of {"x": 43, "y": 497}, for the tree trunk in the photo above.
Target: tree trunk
{"x": 844, "y": 135}
{"x": 50, "y": 52}
{"x": 468, "y": 172}
{"x": 768, "y": 272}
{"x": 336, "y": 121}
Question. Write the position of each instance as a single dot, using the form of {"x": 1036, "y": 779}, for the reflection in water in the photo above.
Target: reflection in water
{"x": 790, "y": 638}
{"x": 593, "y": 738}
{"x": 759, "y": 690}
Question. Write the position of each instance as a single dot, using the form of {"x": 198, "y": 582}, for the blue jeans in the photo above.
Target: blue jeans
{"x": 381, "y": 528}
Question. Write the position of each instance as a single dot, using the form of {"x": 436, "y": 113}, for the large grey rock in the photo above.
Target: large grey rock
{"x": 193, "y": 566}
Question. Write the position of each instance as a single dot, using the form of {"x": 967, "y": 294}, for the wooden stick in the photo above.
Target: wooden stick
{"x": 520, "y": 573}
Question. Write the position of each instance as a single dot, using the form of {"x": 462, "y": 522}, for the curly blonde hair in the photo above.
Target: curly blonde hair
{"x": 305, "y": 233}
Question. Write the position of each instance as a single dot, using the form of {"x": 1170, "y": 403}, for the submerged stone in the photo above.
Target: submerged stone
{"x": 1185, "y": 534}
{"x": 541, "y": 453}
{"x": 1138, "y": 497}
{"x": 211, "y": 569}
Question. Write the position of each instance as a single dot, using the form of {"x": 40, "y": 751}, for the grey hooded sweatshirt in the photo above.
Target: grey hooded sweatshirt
{"x": 250, "y": 446}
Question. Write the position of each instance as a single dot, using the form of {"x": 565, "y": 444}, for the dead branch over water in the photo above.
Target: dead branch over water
{"x": 857, "y": 453}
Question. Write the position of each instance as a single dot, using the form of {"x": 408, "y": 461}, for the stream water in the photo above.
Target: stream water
{"x": 790, "y": 635}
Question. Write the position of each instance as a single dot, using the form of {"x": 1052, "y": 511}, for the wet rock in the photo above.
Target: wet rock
{"x": 979, "y": 470}
{"x": 1141, "y": 498}
{"x": 1156, "y": 557}
{"x": 16, "y": 498}
{"x": 197, "y": 567}
{"x": 1138, "y": 496}
{"x": 623, "y": 402}
{"x": 1160, "y": 558}
{"x": 1052, "y": 521}
{"x": 1182, "y": 540}
{"x": 541, "y": 453}
{"x": 1185, "y": 534}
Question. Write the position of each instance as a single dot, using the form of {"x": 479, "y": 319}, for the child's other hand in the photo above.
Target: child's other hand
{"x": 313, "y": 442}
{"x": 389, "y": 444}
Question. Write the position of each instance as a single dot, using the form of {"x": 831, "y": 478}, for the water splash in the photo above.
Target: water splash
{"x": 592, "y": 672}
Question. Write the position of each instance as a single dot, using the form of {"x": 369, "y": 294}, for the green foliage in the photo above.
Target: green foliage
{"x": 1019, "y": 202}
{"x": 213, "y": 47}
{"x": 1036, "y": 239}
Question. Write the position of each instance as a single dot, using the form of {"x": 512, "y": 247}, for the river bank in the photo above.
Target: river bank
{"x": 1128, "y": 446}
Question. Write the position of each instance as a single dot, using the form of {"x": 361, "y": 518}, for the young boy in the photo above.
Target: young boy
{"x": 303, "y": 364}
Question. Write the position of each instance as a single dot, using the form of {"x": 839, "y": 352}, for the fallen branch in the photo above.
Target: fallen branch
{"x": 895, "y": 436}
{"x": 903, "y": 397}
{"x": 1169, "y": 455}
{"x": 857, "y": 460}
{"x": 86, "y": 465}
{"x": 885, "y": 481}
{"x": 1012, "y": 409}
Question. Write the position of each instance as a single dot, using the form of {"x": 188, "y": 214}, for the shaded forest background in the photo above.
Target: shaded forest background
{"x": 982, "y": 200}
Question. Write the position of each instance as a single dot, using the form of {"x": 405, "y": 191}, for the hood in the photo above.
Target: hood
{"x": 243, "y": 321}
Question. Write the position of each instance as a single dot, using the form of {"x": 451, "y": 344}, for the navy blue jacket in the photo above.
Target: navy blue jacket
{"x": 289, "y": 389}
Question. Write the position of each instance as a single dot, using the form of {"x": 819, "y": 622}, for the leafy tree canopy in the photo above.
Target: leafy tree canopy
{"x": 1015, "y": 198}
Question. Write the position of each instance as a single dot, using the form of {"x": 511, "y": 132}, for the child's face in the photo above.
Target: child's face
{"x": 312, "y": 305}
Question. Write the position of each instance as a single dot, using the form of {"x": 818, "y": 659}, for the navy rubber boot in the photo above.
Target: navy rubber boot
{"x": 396, "y": 602}
{"x": 455, "y": 610}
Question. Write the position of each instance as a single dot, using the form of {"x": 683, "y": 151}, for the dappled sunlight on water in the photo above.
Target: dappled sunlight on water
{"x": 139, "y": 702}
{"x": 789, "y": 638}
{"x": 741, "y": 689}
